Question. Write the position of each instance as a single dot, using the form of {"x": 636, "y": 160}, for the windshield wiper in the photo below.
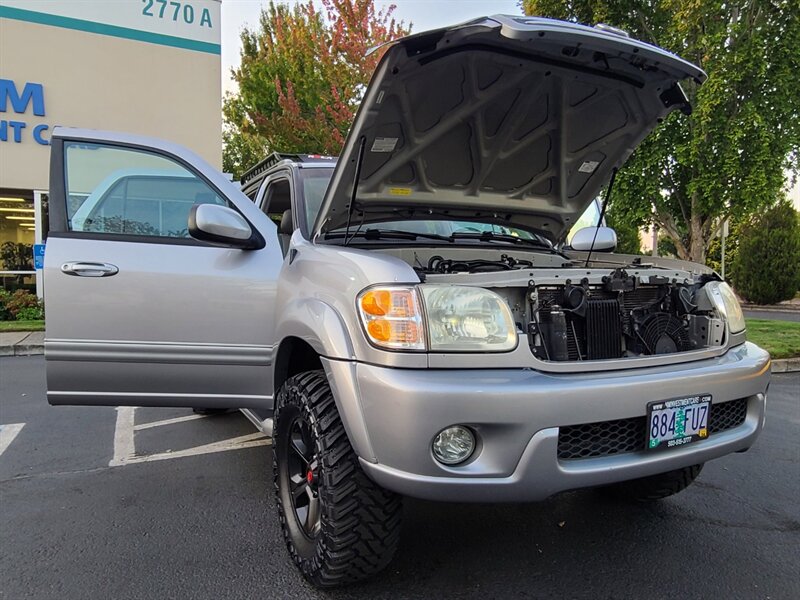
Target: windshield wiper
{"x": 378, "y": 234}
{"x": 486, "y": 236}
{"x": 489, "y": 236}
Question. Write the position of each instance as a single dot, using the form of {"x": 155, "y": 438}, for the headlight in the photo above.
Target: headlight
{"x": 725, "y": 301}
{"x": 392, "y": 317}
{"x": 467, "y": 319}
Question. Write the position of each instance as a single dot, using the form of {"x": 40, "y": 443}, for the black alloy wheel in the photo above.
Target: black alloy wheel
{"x": 302, "y": 466}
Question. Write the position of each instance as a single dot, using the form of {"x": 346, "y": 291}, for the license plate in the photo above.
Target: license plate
{"x": 673, "y": 423}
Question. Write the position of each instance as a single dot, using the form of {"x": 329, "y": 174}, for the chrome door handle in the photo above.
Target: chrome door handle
{"x": 89, "y": 269}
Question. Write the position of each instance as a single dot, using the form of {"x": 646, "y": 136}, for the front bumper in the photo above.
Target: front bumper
{"x": 392, "y": 415}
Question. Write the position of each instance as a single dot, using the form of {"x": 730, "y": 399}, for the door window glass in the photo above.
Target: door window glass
{"x": 277, "y": 199}
{"x": 131, "y": 192}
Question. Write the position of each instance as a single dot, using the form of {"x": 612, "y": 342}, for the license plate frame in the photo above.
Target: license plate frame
{"x": 676, "y": 426}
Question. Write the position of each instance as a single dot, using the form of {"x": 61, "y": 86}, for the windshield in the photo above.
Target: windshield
{"x": 448, "y": 228}
{"x": 589, "y": 218}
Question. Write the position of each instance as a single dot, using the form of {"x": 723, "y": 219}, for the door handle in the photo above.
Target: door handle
{"x": 89, "y": 269}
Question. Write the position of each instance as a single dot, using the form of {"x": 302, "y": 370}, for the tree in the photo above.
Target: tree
{"x": 301, "y": 77}
{"x": 729, "y": 156}
{"x": 628, "y": 241}
{"x": 714, "y": 255}
{"x": 767, "y": 269}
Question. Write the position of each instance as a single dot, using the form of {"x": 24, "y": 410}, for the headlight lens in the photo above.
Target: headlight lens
{"x": 392, "y": 317}
{"x": 467, "y": 319}
{"x": 725, "y": 301}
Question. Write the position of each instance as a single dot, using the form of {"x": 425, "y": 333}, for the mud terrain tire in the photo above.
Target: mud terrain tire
{"x": 654, "y": 487}
{"x": 339, "y": 526}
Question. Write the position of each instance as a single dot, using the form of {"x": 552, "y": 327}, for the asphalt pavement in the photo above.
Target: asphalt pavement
{"x": 192, "y": 515}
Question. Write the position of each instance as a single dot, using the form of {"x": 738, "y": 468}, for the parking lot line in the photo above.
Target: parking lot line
{"x": 125, "y": 446}
{"x": 123, "y": 437}
{"x": 167, "y": 422}
{"x": 7, "y": 434}
{"x": 251, "y": 440}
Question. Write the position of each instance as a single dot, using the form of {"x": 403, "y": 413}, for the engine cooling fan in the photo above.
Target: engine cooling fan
{"x": 664, "y": 334}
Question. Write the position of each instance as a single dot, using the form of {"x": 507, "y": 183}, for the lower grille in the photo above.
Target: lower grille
{"x": 607, "y": 438}
{"x": 727, "y": 415}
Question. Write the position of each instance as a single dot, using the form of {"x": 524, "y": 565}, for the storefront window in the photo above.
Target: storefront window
{"x": 17, "y": 235}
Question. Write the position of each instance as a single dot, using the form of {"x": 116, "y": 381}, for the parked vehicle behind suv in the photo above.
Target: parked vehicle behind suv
{"x": 417, "y": 326}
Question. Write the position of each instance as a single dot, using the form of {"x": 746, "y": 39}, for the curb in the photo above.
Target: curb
{"x": 22, "y": 350}
{"x": 778, "y": 309}
{"x": 786, "y": 365}
{"x": 779, "y": 365}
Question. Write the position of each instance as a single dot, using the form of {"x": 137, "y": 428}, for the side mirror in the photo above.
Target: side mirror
{"x": 222, "y": 226}
{"x": 604, "y": 238}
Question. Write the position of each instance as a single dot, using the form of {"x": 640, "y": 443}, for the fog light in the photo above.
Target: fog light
{"x": 453, "y": 445}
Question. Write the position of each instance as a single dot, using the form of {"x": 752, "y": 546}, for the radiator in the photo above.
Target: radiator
{"x": 603, "y": 329}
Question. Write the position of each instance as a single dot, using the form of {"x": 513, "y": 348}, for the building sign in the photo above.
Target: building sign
{"x": 149, "y": 67}
{"x": 23, "y": 100}
{"x": 190, "y": 24}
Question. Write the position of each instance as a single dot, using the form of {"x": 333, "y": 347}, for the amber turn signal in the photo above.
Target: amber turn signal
{"x": 392, "y": 317}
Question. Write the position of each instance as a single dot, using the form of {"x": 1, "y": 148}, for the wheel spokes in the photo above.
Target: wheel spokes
{"x": 303, "y": 465}
{"x": 312, "y": 522}
{"x": 300, "y": 490}
{"x": 298, "y": 451}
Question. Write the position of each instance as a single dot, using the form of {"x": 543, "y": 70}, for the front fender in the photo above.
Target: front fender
{"x": 319, "y": 325}
{"x": 322, "y": 328}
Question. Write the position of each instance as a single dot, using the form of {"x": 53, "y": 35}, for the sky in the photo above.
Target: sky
{"x": 423, "y": 14}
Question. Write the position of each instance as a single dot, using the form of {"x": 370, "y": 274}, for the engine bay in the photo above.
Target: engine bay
{"x": 571, "y": 313}
{"x": 620, "y": 318}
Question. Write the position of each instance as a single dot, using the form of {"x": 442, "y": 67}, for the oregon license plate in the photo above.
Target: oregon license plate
{"x": 673, "y": 423}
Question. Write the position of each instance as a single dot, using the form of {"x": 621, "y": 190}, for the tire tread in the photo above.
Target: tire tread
{"x": 361, "y": 522}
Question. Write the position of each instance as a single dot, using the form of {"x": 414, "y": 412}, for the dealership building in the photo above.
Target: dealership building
{"x": 150, "y": 67}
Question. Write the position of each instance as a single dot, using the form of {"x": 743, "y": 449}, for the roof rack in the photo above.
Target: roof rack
{"x": 276, "y": 157}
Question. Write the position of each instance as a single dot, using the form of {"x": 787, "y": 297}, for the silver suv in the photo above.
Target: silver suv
{"x": 409, "y": 319}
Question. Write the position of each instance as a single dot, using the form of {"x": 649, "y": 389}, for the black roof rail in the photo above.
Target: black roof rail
{"x": 276, "y": 157}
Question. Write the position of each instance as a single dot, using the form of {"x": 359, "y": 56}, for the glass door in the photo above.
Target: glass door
{"x": 18, "y": 232}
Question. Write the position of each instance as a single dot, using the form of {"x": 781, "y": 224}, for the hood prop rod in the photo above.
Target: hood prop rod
{"x": 602, "y": 214}
{"x": 359, "y": 160}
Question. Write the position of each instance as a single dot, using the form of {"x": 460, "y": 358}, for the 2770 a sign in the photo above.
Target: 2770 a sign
{"x": 177, "y": 11}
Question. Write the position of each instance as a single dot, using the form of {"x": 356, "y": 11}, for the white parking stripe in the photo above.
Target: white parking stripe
{"x": 251, "y": 440}
{"x": 123, "y": 437}
{"x": 125, "y": 448}
{"x": 8, "y": 433}
{"x": 168, "y": 422}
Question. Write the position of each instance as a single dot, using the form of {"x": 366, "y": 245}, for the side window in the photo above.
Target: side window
{"x": 277, "y": 199}
{"x": 130, "y": 192}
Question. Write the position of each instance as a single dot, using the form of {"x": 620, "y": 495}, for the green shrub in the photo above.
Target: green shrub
{"x": 767, "y": 267}
{"x": 13, "y": 304}
{"x": 4, "y": 314}
{"x": 31, "y": 313}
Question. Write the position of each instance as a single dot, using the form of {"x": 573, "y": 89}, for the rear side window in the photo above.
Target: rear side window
{"x": 131, "y": 192}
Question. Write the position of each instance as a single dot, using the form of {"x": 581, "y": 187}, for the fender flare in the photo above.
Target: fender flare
{"x": 319, "y": 325}
{"x": 322, "y": 328}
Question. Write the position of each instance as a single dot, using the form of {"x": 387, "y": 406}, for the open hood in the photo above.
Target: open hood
{"x": 512, "y": 120}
